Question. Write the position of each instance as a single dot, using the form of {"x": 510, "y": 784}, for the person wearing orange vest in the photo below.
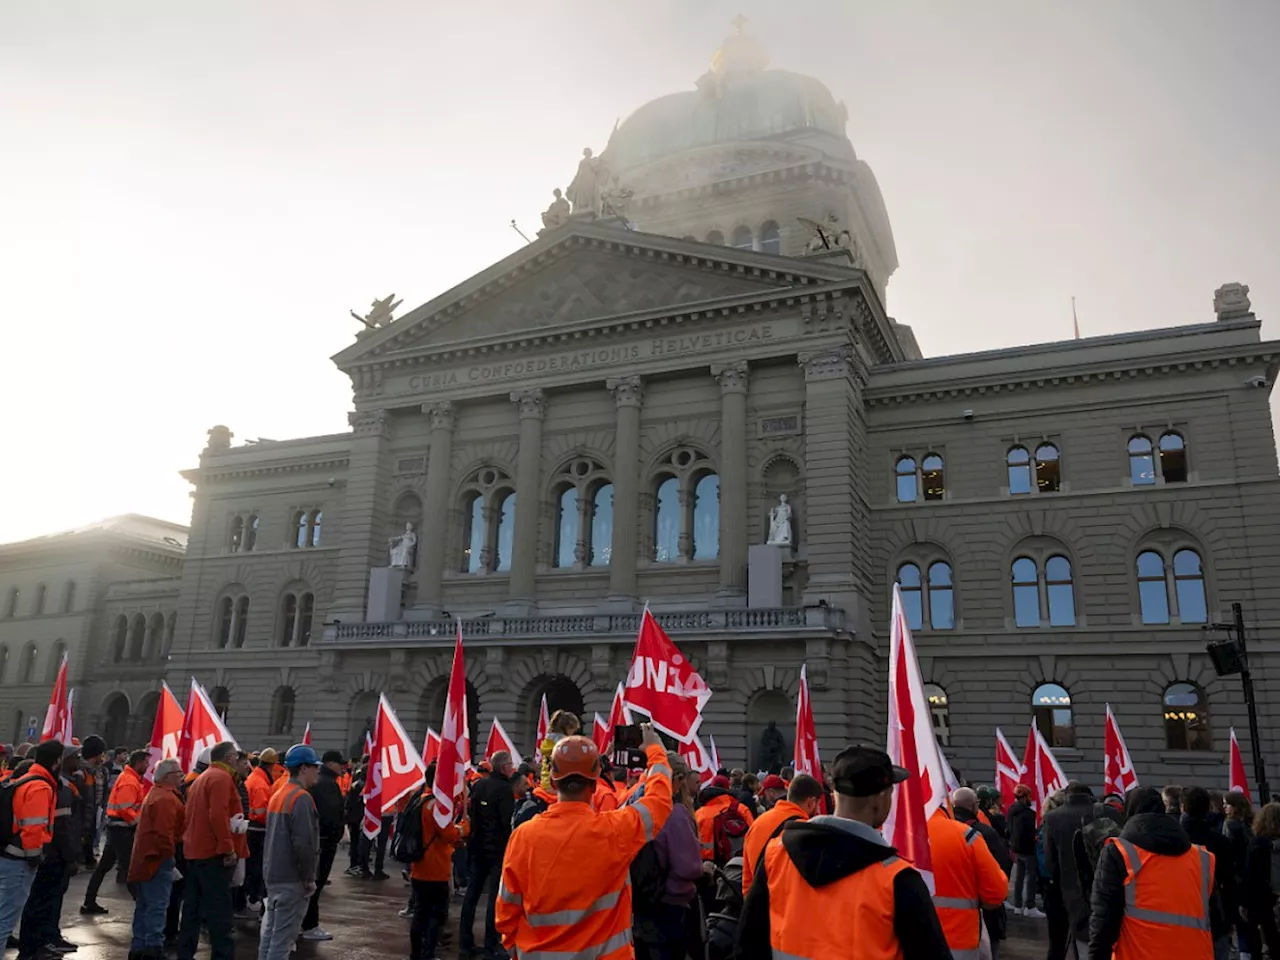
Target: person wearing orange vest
{"x": 259, "y": 784}
{"x": 124, "y": 806}
{"x": 542, "y": 910}
{"x": 430, "y": 873}
{"x": 804, "y": 796}
{"x": 714, "y": 798}
{"x": 966, "y": 881}
{"x": 290, "y": 855}
{"x": 831, "y": 887}
{"x": 1153, "y": 895}
{"x": 34, "y": 805}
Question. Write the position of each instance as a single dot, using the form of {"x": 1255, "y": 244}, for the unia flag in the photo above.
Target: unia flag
{"x": 663, "y": 684}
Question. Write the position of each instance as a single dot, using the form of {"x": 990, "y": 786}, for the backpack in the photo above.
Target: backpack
{"x": 728, "y": 832}
{"x": 406, "y": 842}
{"x": 648, "y": 879}
{"x": 530, "y": 807}
{"x": 9, "y": 790}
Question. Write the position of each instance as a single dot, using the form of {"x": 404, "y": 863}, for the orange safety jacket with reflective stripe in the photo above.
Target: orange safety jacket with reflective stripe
{"x": 760, "y": 833}
{"x": 1166, "y": 904}
{"x": 706, "y": 815}
{"x": 34, "y": 803}
{"x": 566, "y": 875}
{"x": 965, "y": 876}
{"x": 125, "y": 803}
{"x": 852, "y": 918}
{"x": 260, "y": 785}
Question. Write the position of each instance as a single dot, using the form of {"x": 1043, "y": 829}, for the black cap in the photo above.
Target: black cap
{"x": 864, "y": 772}
{"x": 333, "y": 756}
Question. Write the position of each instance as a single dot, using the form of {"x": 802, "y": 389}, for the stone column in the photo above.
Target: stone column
{"x": 434, "y": 537}
{"x": 628, "y": 395}
{"x": 733, "y": 481}
{"x": 522, "y": 599}
{"x": 362, "y": 543}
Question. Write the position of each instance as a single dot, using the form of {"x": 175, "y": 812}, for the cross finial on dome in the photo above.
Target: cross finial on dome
{"x": 739, "y": 23}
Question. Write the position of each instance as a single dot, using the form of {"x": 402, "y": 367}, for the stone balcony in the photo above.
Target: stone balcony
{"x": 587, "y": 628}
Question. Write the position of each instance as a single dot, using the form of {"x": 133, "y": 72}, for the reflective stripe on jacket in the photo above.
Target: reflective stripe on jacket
{"x": 260, "y": 785}
{"x": 33, "y": 806}
{"x": 851, "y": 918}
{"x": 125, "y": 803}
{"x": 965, "y": 876}
{"x": 1166, "y": 904}
{"x": 566, "y": 877}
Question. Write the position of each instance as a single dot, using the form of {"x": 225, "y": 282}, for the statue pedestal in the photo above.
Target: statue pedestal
{"x": 764, "y": 575}
{"x": 386, "y": 585}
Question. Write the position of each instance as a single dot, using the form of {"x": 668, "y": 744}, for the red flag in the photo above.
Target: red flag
{"x": 306, "y": 734}
{"x": 166, "y": 732}
{"x": 698, "y": 759}
{"x": 1008, "y": 769}
{"x": 455, "y": 743}
{"x": 201, "y": 727}
{"x": 498, "y": 740}
{"x": 1238, "y": 780}
{"x": 601, "y": 735}
{"x": 1117, "y": 766}
{"x": 56, "y": 726}
{"x": 715, "y": 754}
{"x": 431, "y": 748}
{"x": 806, "y": 751}
{"x": 544, "y": 725}
{"x": 913, "y": 745}
{"x": 664, "y": 685}
{"x": 395, "y": 769}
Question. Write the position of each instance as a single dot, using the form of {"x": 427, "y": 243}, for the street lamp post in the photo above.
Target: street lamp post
{"x": 1229, "y": 657}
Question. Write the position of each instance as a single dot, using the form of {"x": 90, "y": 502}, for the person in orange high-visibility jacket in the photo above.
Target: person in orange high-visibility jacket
{"x": 34, "y": 803}
{"x": 712, "y": 799}
{"x": 831, "y": 887}
{"x": 1153, "y": 892}
{"x": 803, "y": 798}
{"x": 259, "y": 785}
{"x": 124, "y": 807}
{"x": 542, "y": 911}
{"x": 966, "y": 881}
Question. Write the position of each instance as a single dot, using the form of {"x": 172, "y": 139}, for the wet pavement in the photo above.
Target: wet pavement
{"x": 361, "y": 915}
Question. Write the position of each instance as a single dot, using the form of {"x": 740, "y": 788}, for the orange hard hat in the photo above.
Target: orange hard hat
{"x": 575, "y": 757}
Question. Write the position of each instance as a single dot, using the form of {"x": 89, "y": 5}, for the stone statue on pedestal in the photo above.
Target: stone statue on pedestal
{"x": 402, "y": 548}
{"x": 780, "y": 523}
{"x": 772, "y": 748}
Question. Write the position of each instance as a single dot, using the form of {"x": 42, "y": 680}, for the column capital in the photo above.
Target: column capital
{"x": 627, "y": 391}
{"x": 837, "y": 362}
{"x": 441, "y": 414}
{"x": 368, "y": 423}
{"x": 532, "y": 402}
{"x": 732, "y": 377}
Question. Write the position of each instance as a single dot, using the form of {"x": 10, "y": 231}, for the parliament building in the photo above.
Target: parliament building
{"x": 611, "y": 415}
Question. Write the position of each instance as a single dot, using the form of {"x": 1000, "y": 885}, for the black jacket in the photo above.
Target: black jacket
{"x": 493, "y": 801}
{"x": 1060, "y": 828}
{"x": 1224, "y": 870}
{"x": 1022, "y": 828}
{"x": 330, "y": 806}
{"x": 824, "y": 852}
{"x": 1157, "y": 833}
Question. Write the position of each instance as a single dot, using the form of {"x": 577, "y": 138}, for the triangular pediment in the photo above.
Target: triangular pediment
{"x": 578, "y": 274}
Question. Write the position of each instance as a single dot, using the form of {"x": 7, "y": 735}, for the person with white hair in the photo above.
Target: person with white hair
{"x": 151, "y": 870}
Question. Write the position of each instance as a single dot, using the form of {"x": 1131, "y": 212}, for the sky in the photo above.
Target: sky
{"x": 193, "y": 195}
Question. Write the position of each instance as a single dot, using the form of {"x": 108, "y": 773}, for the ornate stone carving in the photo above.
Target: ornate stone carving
{"x": 441, "y": 414}
{"x": 841, "y": 361}
{"x": 219, "y": 439}
{"x": 556, "y": 215}
{"x": 1231, "y": 301}
{"x": 368, "y": 423}
{"x": 532, "y": 403}
{"x": 627, "y": 391}
{"x": 732, "y": 377}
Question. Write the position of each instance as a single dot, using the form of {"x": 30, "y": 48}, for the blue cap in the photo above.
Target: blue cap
{"x": 301, "y": 755}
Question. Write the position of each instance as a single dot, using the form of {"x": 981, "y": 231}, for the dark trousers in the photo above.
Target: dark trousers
{"x": 430, "y": 914}
{"x": 207, "y": 900}
{"x": 328, "y": 850}
{"x": 118, "y": 853}
{"x": 482, "y": 879}
{"x": 44, "y": 907}
{"x": 661, "y": 932}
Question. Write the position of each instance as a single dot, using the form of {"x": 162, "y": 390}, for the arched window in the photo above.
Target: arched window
{"x": 706, "y": 518}
{"x": 222, "y": 702}
{"x": 742, "y": 238}
{"x": 28, "y": 671}
{"x": 37, "y": 602}
{"x": 1186, "y": 718}
{"x": 1153, "y": 594}
{"x": 506, "y": 531}
{"x": 282, "y": 702}
{"x": 1048, "y": 469}
{"x": 119, "y": 638}
{"x": 905, "y": 471}
{"x": 11, "y": 605}
{"x": 941, "y": 605}
{"x": 567, "y": 525}
{"x": 69, "y": 597}
{"x": 55, "y": 660}
{"x": 666, "y": 534}
{"x": 1051, "y": 710}
{"x": 4, "y": 662}
{"x": 1059, "y": 592}
{"x": 939, "y": 712}
{"x": 1142, "y": 462}
{"x": 1019, "y": 463}
{"x": 1173, "y": 458}
{"x": 716, "y": 237}
{"x": 1188, "y": 582}
{"x": 235, "y": 537}
{"x": 932, "y": 477}
{"x": 912, "y": 592}
{"x": 1026, "y": 593}
{"x": 137, "y": 637}
{"x": 770, "y": 240}
{"x": 473, "y": 536}
{"x": 601, "y": 546}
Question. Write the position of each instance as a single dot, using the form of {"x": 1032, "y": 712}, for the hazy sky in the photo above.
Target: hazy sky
{"x": 192, "y": 195}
